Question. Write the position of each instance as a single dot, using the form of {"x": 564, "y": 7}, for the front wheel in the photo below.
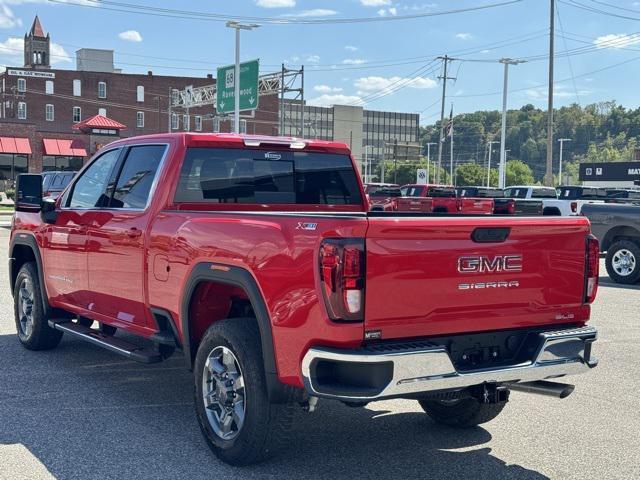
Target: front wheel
{"x": 31, "y": 323}
{"x": 463, "y": 413}
{"x": 622, "y": 262}
{"x": 239, "y": 423}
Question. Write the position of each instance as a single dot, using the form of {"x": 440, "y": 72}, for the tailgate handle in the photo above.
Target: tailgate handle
{"x": 490, "y": 235}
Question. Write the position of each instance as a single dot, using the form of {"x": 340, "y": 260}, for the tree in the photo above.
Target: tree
{"x": 518, "y": 173}
{"x": 470, "y": 174}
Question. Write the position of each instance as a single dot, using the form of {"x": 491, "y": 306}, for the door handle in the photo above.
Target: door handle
{"x": 134, "y": 232}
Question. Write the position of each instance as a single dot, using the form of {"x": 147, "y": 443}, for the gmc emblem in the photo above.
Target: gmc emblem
{"x": 484, "y": 264}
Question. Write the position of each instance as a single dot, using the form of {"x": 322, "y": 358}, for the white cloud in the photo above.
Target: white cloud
{"x": 7, "y": 18}
{"x": 559, "y": 91}
{"x": 392, "y": 10}
{"x": 13, "y": 48}
{"x": 388, "y": 84}
{"x": 353, "y": 61}
{"x": 316, "y": 12}
{"x": 276, "y": 3}
{"x": 327, "y": 100}
{"x": 130, "y": 36}
{"x": 351, "y": 48}
{"x": 617, "y": 40}
{"x": 464, "y": 36}
{"x": 326, "y": 89}
{"x": 383, "y": 12}
{"x": 375, "y": 3}
{"x": 313, "y": 58}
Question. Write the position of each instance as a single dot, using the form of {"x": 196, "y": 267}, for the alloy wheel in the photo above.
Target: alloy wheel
{"x": 25, "y": 307}
{"x": 624, "y": 262}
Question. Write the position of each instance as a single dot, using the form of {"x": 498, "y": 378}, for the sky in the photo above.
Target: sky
{"x": 388, "y": 62}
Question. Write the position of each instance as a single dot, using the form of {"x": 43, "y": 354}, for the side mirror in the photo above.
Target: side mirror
{"x": 49, "y": 213}
{"x": 28, "y": 192}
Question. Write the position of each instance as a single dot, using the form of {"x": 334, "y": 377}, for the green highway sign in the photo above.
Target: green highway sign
{"x": 225, "y": 87}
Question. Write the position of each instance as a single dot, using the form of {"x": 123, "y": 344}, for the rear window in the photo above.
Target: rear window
{"x": 515, "y": 192}
{"x": 544, "y": 193}
{"x": 387, "y": 192}
{"x": 215, "y": 175}
{"x": 413, "y": 191}
{"x": 480, "y": 192}
{"x": 441, "y": 192}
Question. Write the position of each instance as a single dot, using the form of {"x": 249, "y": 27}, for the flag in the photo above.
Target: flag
{"x": 448, "y": 128}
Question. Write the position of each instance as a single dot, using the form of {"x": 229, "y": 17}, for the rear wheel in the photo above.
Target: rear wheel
{"x": 33, "y": 331}
{"x": 463, "y": 413}
{"x": 239, "y": 423}
{"x": 622, "y": 262}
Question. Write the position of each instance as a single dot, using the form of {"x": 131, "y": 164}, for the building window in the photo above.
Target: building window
{"x": 48, "y": 87}
{"x": 61, "y": 163}
{"x": 77, "y": 88}
{"x": 140, "y": 119}
{"x": 22, "y": 110}
{"x": 198, "y": 123}
{"x": 48, "y": 112}
{"x": 77, "y": 114}
{"x": 11, "y": 165}
{"x": 102, "y": 90}
{"x": 243, "y": 126}
{"x": 174, "y": 96}
{"x": 174, "y": 121}
{"x": 102, "y": 111}
{"x": 22, "y": 85}
{"x": 216, "y": 124}
{"x": 140, "y": 93}
{"x": 185, "y": 122}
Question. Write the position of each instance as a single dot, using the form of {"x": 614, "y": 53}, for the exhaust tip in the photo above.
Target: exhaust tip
{"x": 543, "y": 387}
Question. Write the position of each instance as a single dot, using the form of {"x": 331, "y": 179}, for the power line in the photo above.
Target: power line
{"x": 217, "y": 17}
{"x": 566, "y": 49}
{"x": 587, "y": 8}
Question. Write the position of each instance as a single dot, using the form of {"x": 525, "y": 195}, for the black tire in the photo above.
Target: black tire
{"x": 613, "y": 256}
{"x": 31, "y": 323}
{"x": 266, "y": 425}
{"x": 463, "y": 413}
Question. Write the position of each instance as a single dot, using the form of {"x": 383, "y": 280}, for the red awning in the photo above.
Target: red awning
{"x": 98, "y": 121}
{"x": 65, "y": 148}
{"x": 15, "y": 145}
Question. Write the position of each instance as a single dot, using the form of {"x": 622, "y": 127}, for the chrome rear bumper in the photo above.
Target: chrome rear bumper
{"x": 373, "y": 374}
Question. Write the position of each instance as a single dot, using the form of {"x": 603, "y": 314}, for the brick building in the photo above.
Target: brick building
{"x": 43, "y": 105}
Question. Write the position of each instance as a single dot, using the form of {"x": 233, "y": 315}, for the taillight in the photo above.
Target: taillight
{"x": 511, "y": 207}
{"x": 574, "y": 207}
{"x": 593, "y": 268}
{"x": 342, "y": 276}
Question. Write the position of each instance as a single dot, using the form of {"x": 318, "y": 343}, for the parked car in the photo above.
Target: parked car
{"x": 622, "y": 195}
{"x": 370, "y": 188}
{"x": 501, "y": 204}
{"x": 578, "y": 196}
{"x": 53, "y": 183}
{"x": 618, "y": 230}
{"x": 257, "y": 259}
{"x": 384, "y": 199}
{"x": 551, "y": 205}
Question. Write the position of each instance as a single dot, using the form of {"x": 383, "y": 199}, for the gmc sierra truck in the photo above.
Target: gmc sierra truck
{"x": 257, "y": 260}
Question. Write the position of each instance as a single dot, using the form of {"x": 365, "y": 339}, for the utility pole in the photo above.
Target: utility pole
{"x": 395, "y": 160}
{"x": 561, "y": 140}
{"x": 451, "y": 148}
{"x": 490, "y": 143}
{"x": 236, "y": 74}
{"x": 503, "y": 131}
{"x": 429, "y": 158}
{"x": 169, "y": 109}
{"x": 446, "y": 59}
{"x": 549, "y": 171}
{"x": 302, "y": 102}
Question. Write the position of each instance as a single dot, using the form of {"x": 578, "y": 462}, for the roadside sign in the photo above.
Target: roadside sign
{"x": 225, "y": 87}
{"x": 421, "y": 176}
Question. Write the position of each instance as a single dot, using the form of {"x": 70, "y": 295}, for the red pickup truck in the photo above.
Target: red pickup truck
{"x": 256, "y": 259}
{"x": 441, "y": 199}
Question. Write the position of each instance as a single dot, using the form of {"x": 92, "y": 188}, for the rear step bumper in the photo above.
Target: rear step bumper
{"x": 419, "y": 367}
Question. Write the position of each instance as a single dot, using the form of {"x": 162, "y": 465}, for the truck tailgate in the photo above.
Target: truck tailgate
{"x": 428, "y": 276}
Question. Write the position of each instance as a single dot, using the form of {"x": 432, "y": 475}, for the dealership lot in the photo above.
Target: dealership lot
{"x": 80, "y": 412}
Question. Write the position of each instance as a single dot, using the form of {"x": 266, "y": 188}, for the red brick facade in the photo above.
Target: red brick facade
{"x": 121, "y": 103}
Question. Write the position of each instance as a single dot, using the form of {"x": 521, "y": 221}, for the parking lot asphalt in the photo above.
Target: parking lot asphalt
{"x": 80, "y": 412}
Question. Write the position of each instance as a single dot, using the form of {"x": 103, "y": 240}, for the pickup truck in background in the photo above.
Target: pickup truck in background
{"x": 617, "y": 227}
{"x": 501, "y": 204}
{"x": 441, "y": 199}
{"x": 384, "y": 199}
{"x": 547, "y": 195}
{"x": 257, "y": 259}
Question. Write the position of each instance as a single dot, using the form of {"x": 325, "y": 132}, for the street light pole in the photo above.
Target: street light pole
{"x": 503, "y": 131}
{"x": 561, "y": 140}
{"x": 236, "y": 74}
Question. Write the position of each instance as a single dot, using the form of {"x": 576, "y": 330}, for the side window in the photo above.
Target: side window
{"x": 136, "y": 176}
{"x": 89, "y": 190}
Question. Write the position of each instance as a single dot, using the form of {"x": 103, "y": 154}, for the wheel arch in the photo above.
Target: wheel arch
{"x": 621, "y": 232}
{"x": 22, "y": 249}
{"x": 234, "y": 277}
